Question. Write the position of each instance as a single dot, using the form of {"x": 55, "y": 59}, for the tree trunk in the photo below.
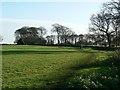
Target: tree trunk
{"x": 116, "y": 37}
{"x": 109, "y": 40}
{"x": 58, "y": 40}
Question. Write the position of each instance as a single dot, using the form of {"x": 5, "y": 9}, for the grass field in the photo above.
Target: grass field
{"x": 57, "y": 67}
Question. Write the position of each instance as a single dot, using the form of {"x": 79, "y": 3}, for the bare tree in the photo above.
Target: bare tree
{"x": 81, "y": 38}
{"x": 101, "y": 23}
{"x": 113, "y": 8}
{"x": 57, "y": 28}
{"x": 50, "y": 39}
{"x": 63, "y": 32}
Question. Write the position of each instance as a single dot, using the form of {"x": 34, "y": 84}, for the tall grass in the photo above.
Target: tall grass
{"x": 103, "y": 74}
{"x": 116, "y": 57}
{"x": 116, "y": 62}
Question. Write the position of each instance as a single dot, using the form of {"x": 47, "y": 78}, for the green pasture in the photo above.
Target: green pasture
{"x": 57, "y": 67}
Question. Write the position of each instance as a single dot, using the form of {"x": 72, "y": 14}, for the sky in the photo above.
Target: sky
{"x": 71, "y": 13}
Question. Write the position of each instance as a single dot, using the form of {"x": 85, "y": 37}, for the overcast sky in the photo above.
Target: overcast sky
{"x": 73, "y": 14}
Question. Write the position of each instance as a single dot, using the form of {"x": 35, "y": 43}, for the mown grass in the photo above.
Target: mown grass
{"x": 57, "y": 67}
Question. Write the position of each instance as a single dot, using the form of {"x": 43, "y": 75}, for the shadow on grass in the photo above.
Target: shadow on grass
{"x": 106, "y": 68}
{"x": 61, "y": 85}
{"x": 34, "y": 52}
{"x": 77, "y": 49}
{"x": 104, "y": 48}
{"x": 104, "y": 63}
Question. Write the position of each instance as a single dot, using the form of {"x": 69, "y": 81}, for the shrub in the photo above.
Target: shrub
{"x": 116, "y": 62}
{"x": 116, "y": 57}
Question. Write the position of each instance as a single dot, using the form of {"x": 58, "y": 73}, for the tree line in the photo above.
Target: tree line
{"x": 104, "y": 30}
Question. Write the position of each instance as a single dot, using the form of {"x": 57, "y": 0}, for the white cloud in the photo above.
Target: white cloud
{"x": 10, "y": 25}
{"x": 18, "y": 23}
